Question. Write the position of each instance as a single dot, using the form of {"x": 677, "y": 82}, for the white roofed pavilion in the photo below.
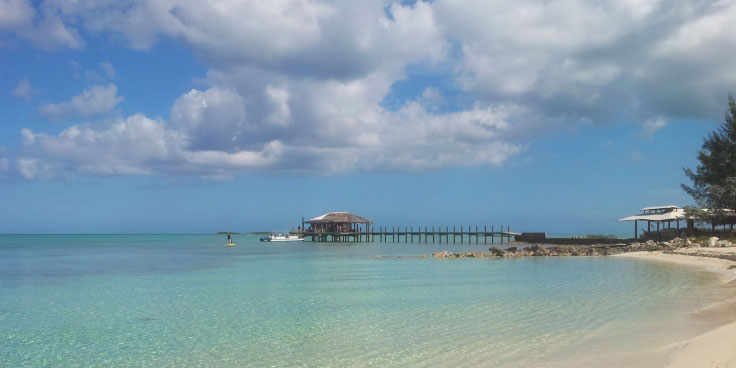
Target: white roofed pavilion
{"x": 665, "y": 215}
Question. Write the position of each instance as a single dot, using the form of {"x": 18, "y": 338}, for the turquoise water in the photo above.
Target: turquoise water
{"x": 187, "y": 300}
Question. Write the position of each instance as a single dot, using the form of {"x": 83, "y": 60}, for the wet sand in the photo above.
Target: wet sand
{"x": 716, "y": 348}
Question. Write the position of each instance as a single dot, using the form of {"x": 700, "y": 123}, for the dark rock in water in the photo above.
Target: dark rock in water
{"x": 498, "y": 252}
{"x": 469, "y": 254}
{"x": 511, "y": 249}
{"x": 539, "y": 250}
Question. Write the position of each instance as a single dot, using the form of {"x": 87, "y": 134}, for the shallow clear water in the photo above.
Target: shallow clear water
{"x": 186, "y": 300}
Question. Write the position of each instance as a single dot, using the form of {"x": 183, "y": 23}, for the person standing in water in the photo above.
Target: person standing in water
{"x": 229, "y": 239}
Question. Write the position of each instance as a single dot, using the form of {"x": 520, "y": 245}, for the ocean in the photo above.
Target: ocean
{"x": 187, "y": 300}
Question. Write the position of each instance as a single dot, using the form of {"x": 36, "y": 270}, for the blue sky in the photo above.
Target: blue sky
{"x": 188, "y": 117}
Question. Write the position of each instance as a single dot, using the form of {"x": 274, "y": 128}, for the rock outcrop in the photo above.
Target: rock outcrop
{"x": 712, "y": 242}
{"x": 560, "y": 250}
{"x": 537, "y": 250}
{"x": 523, "y": 252}
{"x": 498, "y": 252}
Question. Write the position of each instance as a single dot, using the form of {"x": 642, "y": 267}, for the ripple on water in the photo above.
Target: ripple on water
{"x": 162, "y": 301}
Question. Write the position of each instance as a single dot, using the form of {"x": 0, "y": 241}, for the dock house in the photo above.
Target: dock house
{"x": 337, "y": 225}
{"x": 663, "y": 216}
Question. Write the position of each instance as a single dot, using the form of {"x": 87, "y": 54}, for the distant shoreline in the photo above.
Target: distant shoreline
{"x": 237, "y": 233}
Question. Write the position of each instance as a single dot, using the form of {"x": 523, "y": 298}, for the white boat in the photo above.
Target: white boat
{"x": 278, "y": 237}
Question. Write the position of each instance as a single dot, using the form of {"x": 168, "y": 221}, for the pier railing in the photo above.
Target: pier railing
{"x": 426, "y": 235}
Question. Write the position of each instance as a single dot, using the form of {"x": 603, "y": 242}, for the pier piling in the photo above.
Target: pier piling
{"x": 431, "y": 234}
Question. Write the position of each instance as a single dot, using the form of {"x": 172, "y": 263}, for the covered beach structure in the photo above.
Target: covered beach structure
{"x": 340, "y": 226}
{"x": 660, "y": 215}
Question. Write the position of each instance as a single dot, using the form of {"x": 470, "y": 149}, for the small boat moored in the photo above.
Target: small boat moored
{"x": 280, "y": 237}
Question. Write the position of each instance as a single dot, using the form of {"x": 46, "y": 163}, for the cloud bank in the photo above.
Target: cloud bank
{"x": 46, "y": 28}
{"x": 298, "y": 85}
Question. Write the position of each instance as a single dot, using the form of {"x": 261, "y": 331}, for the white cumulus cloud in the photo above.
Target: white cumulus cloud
{"x": 108, "y": 69}
{"x": 574, "y": 60}
{"x": 209, "y": 134}
{"x": 300, "y": 84}
{"x": 651, "y": 126}
{"x": 213, "y": 119}
{"x": 45, "y": 28}
{"x": 95, "y": 100}
{"x": 279, "y": 100}
{"x": 137, "y": 145}
{"x": 15, "y": 13}
{"x": 24, "y": 91}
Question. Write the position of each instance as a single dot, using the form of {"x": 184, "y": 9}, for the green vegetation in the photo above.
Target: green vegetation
{"x": 714, "y": 180}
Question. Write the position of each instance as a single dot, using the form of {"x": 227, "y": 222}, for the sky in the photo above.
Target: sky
{"x": 173, "y": 116}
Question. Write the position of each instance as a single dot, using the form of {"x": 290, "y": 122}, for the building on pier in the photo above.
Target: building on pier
{"x": 347, "y": 227}
{"x": 337, "y": 222}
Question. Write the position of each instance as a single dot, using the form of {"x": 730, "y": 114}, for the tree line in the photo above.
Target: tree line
{"x": 714, "y": 179}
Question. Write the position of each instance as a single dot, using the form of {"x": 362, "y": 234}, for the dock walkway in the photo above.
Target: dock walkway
{"x": 408, "y": 235}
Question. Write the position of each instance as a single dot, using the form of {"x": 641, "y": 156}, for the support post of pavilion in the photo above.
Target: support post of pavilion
{"x": 636, "y": 229}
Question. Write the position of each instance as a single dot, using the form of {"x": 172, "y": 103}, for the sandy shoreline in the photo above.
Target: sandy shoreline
{"x": 716, "y": 348}
{"x": 691, "y": 258}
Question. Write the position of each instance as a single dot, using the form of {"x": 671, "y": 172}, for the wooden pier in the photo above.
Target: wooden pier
{"x": 427, "y": 234}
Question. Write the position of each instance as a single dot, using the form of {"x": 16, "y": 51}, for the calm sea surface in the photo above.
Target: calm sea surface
{"x": 187, "y": 300}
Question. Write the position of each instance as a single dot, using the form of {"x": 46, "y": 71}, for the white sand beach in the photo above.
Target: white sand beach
{"x": 716, "y": 348}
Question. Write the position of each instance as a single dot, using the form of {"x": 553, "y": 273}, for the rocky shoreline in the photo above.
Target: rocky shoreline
{"x": 675, "y": 246}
